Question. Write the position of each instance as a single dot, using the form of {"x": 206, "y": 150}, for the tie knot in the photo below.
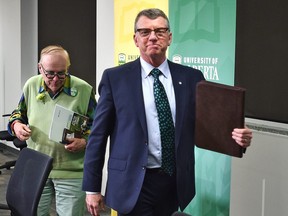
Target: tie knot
{"x": 155, "y": 72}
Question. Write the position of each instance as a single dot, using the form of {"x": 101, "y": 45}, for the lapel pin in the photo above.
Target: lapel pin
{"x": 180, "y": 83}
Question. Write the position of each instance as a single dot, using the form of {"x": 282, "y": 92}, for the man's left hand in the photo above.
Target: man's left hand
{"x": 75, "y": 144}
{"x": 242, "y": 136}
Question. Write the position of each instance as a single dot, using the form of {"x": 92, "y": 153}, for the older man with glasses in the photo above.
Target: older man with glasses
{"x": 31, "y": 121}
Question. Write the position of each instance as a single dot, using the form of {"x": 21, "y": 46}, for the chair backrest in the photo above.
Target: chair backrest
{"x": 27, "y": 182}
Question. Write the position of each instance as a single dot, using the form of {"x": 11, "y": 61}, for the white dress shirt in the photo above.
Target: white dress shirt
{"x": 154, "y": 141}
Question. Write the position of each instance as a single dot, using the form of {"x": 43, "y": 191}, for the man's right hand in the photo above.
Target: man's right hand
{"x": 22, "y": 131}
{"x": 95, "y": 203}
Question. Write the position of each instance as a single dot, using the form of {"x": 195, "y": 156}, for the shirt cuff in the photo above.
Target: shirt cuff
{"x": 89, "y": 192}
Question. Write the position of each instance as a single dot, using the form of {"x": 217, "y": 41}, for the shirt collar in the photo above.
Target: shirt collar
{"x": 147, "y": 68}
{"x": 66, "y": 87}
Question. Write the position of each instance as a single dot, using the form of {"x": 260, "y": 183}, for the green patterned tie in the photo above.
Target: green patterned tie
{"x": 167, "y": 130}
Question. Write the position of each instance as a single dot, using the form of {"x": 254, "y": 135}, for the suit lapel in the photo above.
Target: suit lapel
{"x": 180, "y": 90}
{"x": 136, "y": 89}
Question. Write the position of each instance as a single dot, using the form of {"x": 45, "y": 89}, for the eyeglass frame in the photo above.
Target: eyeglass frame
{"x": 53, "y": 74}
{"x": 157, "y": 31}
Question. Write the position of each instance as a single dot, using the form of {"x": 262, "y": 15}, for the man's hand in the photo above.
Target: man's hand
{"x": 242, "y": 136}
{"x": 95, "y": 204}
{"x": 22, "y": 131}
{"x": 75, "y": 144}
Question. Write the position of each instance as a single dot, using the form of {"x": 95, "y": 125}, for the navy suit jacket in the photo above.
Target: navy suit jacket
{"x": 120, "y": 115}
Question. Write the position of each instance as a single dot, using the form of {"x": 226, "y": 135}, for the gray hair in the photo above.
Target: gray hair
{"x": 151, "y": 13}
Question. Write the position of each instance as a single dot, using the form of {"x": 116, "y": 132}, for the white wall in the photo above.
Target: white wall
{"x": 10, "y": 57}
{"x": 259, "y": 181}
{"x": 29, "y": 39}
{"x": 105, "y": 37}
{"x": 18, "y": 51}
{"x": 105, "y": 50}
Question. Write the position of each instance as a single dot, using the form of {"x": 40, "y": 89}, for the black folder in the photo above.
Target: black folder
{"x": 219, "y": 109}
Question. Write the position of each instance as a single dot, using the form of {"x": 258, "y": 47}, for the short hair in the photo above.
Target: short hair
{"x": 55, "y": 49}
{"x": 151, "y": 13}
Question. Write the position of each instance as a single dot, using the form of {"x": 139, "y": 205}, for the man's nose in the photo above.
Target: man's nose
{"x": 153, "y": 35}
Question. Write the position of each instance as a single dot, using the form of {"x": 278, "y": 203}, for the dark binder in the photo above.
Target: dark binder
{"x": 219, "y": 109}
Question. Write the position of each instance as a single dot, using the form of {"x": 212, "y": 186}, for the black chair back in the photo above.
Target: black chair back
{"x": 27, "y": 182}
{"x": 5, "y": 135}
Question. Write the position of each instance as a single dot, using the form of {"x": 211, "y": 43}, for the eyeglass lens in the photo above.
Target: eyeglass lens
{"x": 52, "y": 74}
{"x": 159, "y": 32}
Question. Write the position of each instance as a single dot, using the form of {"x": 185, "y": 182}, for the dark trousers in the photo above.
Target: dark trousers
{"x": 158, "y": 196}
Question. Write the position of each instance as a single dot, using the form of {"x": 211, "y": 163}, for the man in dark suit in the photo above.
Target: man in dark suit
{"x": 137, "y": 184}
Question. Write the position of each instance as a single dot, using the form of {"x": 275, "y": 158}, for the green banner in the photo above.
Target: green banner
{"x": 204, "y": 38}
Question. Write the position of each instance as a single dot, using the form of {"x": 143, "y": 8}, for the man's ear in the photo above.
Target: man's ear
{"x": 170, "y": 39}
{"x": 135, "y": 40}
{"x": 39, "y": 66}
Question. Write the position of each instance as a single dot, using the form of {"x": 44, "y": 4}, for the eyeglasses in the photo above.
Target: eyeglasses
{"x": 159, "y": 32}
{"x": 52, "y": 74}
